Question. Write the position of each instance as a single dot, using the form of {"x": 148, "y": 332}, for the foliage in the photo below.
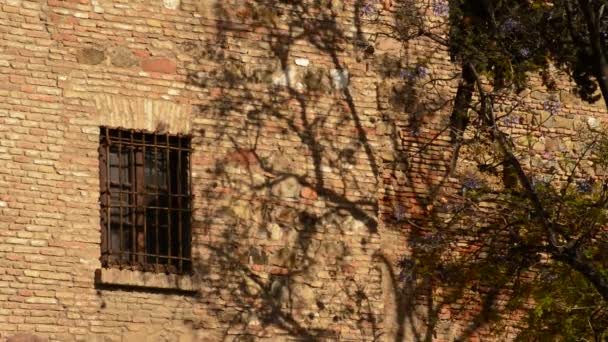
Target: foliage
{"x": 566, "y": 308}
{"x": 560, "y": 225}
{"x": 497, "y": 40}
{"x": 509, "y": 40}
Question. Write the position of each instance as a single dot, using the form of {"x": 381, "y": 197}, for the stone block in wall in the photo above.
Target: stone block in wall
{"x": 171, "y": 4}
{"x": 90, "y": 56}
{"x": 288, "y": 188}
{"x": 122, "y": 57}
{"x": 26, "y": 338}
{"x": 388, "y": 45}
{"x": 340, "y": 78}
{"x": 143, "y": 113}
{"x": 559, "y": 122}
{"x": 113, "y": 276}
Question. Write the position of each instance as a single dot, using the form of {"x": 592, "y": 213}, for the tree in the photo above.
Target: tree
{"x": 498, "y": 46}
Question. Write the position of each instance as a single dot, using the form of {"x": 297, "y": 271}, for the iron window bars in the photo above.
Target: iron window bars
{"x": 145, "y": 201}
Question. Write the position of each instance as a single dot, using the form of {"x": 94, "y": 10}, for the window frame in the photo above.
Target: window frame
{"x": 138, "y": 203}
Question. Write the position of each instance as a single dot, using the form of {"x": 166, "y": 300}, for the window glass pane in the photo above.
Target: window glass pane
{"x": 146, "y": 212}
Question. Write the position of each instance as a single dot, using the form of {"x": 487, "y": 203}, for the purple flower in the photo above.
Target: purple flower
{"x": 421, "y": 71}
{"x": 405, "y": 73}
{"x": 524, "y": 52}
{"x": 368, "y": 8}
{"x": 510, "y": 120}
{"x": 509, "y": 25}
{"x": 553, "y": 106}
{"x": 441, "y": 8}
{"x": 471, "y": 183}
{"x": 399, "y": 212}
{"x": 428, "y": 242}
{"x": 584, "y": 186}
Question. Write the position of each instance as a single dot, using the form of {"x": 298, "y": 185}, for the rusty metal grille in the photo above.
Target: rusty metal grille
{"x": 145, "y": 201}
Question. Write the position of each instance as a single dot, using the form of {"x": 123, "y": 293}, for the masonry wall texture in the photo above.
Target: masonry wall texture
{"x": 298, "y": 168}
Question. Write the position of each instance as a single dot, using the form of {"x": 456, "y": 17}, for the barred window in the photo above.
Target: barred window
{"x": 145, "y": 201}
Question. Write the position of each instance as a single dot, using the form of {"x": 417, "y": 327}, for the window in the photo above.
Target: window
{"x": 145, "y": 201}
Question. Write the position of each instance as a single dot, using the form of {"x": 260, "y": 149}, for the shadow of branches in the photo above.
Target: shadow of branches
{"x": 332, "y": 206}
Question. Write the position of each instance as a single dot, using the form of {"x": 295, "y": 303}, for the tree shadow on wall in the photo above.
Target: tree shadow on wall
{"x": 331, "y": 209}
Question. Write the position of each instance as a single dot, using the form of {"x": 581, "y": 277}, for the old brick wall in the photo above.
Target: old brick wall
{"x": 312, "y": 150}
{"x": 283, "y": 115}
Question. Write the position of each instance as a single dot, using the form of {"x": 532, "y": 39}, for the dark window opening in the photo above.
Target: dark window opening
{"x": 145, "y": 201}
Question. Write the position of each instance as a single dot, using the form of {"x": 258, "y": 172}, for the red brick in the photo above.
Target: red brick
{"x": 141, "y": 53}
{"x": 243, "y": 157}
{"x": 308, "y": 193}
{"x": 161, "y": 65}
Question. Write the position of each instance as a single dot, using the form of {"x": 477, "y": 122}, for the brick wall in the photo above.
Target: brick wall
{"x": 303, "y": 165}
{"x": 285, "y": 169}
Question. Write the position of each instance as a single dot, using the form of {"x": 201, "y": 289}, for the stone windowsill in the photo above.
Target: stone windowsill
{"x": 114, "y": 276}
